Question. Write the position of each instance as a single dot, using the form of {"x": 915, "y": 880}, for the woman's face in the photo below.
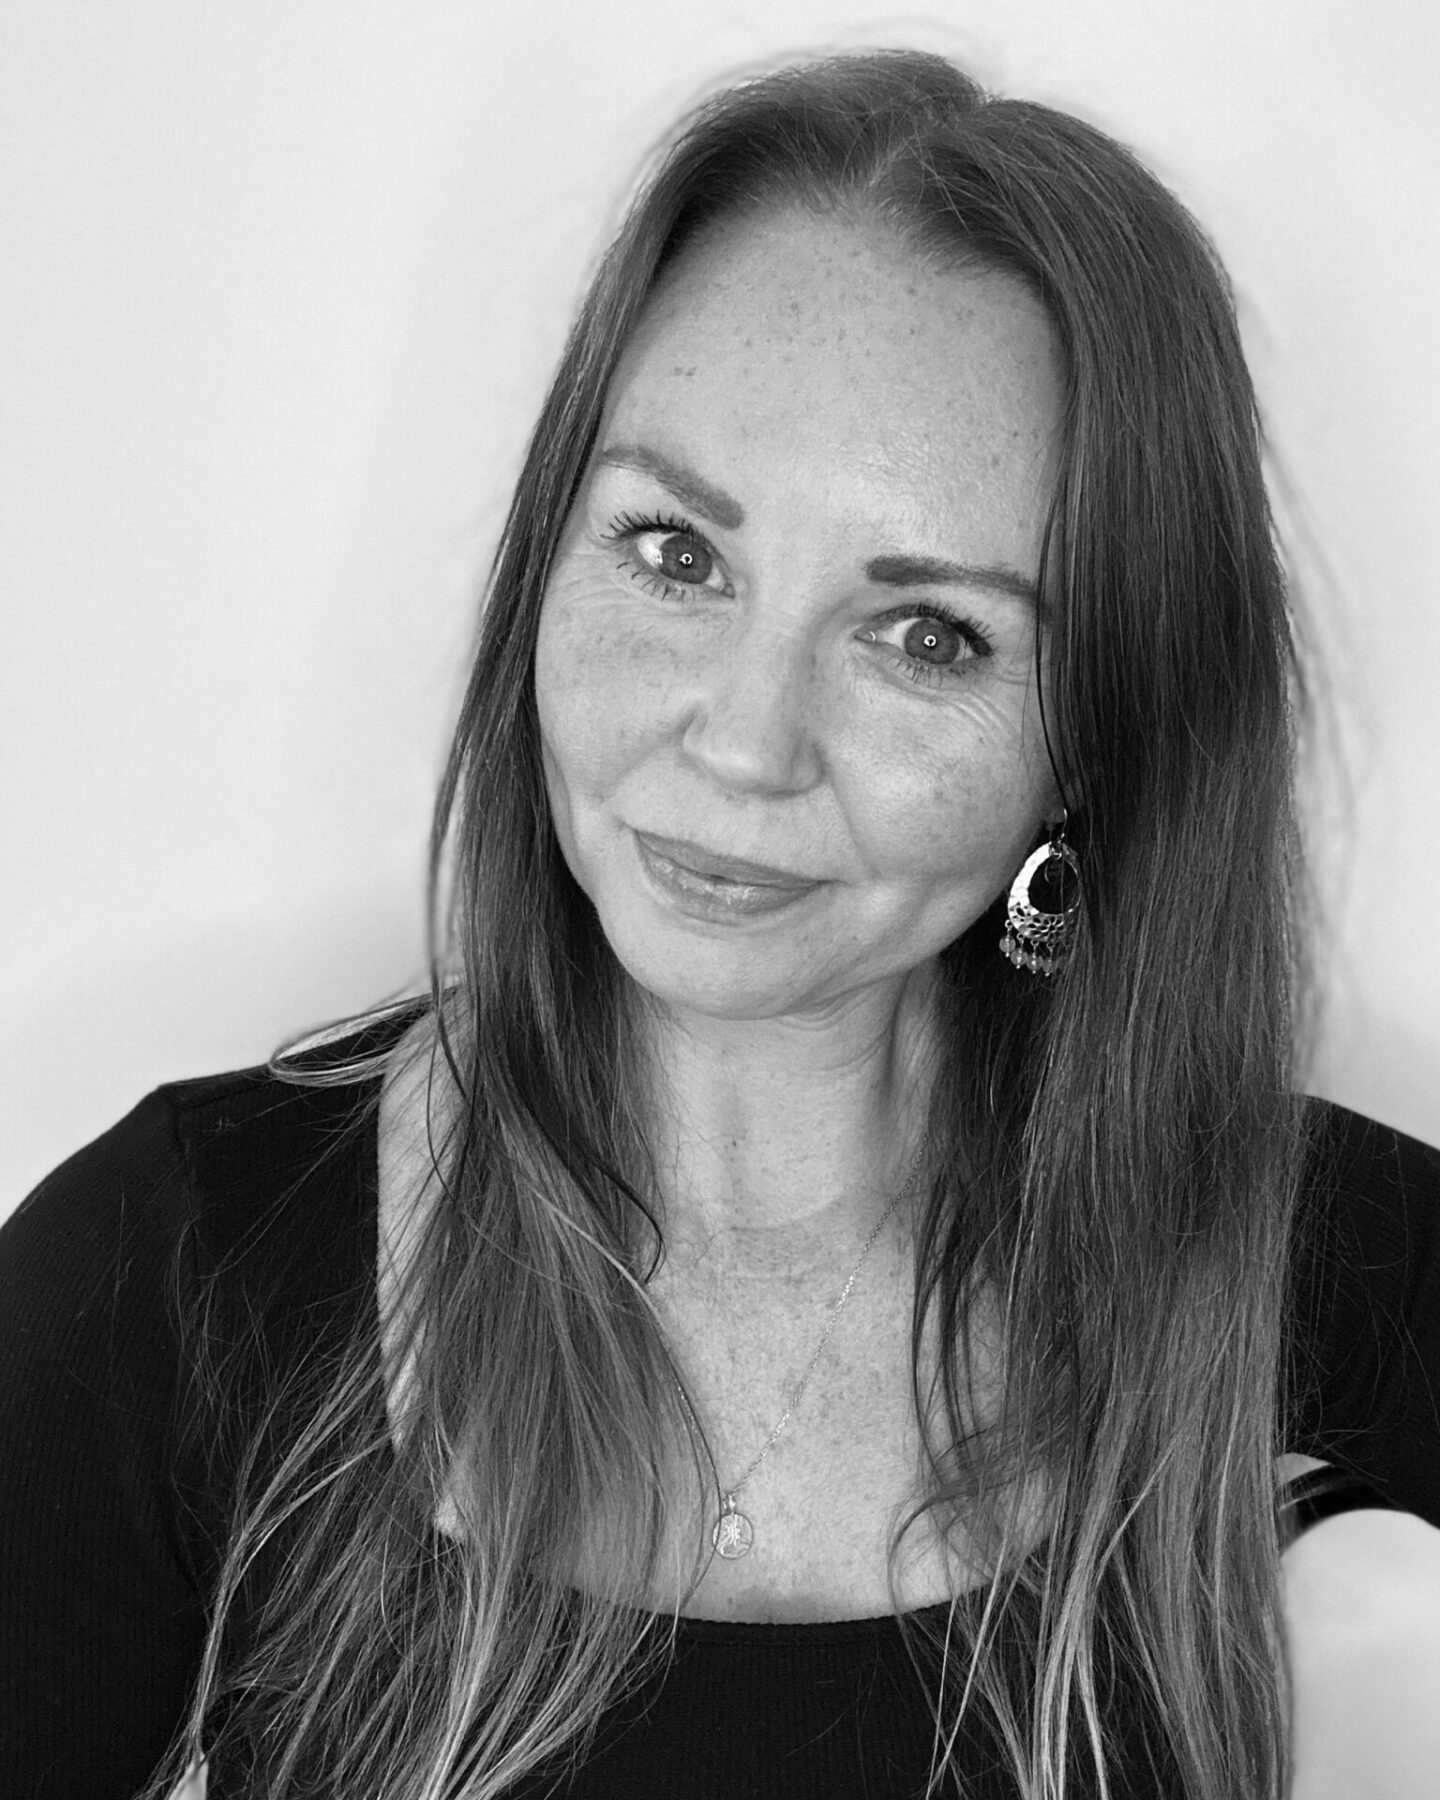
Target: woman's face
{"x": 785, "y": 671}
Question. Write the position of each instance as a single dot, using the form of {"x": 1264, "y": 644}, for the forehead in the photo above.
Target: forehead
{"x": 825, "y": 346}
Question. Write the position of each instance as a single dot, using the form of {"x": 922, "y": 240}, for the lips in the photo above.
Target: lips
{"x": 714, "y": 865}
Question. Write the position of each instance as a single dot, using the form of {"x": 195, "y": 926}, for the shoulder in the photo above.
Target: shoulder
{"x": 1368, "y": 1215}
{"x": 1362, "y": 1619}
{"x": 111, "y": 1217}
{"x": 192, "y": 1158}
{"x": 1367, "y": 1246}
{"x": 241, "y": 1176}
{"x": 1367, "y": 1229}
{"x": 1362, "y": 1320}
{"x": 1359, "y": 1160}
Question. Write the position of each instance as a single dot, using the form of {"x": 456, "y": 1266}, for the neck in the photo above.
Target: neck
{"x": 775, "y": 1137}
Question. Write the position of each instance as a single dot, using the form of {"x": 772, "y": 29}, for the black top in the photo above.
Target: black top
{"x": 112, "y": 1521}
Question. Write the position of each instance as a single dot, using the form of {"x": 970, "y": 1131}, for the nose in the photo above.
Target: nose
{"x": 755, "y": 724}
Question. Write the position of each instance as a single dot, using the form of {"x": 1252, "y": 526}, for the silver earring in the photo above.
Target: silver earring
{"x": 1036, "y": 938}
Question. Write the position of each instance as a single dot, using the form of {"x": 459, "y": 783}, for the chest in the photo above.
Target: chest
{"x": 809, "y": 1414}
{"x": 819, "y": 1461}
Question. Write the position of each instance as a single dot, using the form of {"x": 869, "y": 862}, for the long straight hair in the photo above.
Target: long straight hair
{"x": 1117, "y": 1149}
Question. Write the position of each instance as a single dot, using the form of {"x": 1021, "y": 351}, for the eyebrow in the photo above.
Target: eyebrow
{"x": 718, "y": 508}
{"x": 938, "y": 571}
{"x": 713, "y": 504}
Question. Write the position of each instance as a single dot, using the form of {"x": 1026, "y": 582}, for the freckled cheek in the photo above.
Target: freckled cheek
{"x": 966, "y": 817}
{"x": 929, "y": 827}
{"x": 602, "y": 691}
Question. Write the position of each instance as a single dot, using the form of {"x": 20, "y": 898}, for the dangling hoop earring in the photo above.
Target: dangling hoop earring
{"x": 1036, "y": 938}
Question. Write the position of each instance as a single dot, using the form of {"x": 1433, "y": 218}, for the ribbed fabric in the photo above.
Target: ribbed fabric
{"x": 836, "y": 1710}
{"x": 776, "y": 1712}
{"x": 262, "y": 1197}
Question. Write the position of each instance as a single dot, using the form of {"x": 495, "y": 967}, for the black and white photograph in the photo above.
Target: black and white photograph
{"x": 720, "y": 1059}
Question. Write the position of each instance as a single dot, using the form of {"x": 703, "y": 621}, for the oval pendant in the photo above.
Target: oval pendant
{"x": 733, "y": 1534}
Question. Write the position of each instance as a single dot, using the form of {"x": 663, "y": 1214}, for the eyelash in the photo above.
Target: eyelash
{"x": 932, "y": 674}
{"x": 625, "y": 527}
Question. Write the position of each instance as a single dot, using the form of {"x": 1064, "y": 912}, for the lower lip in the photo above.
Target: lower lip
{"x": 713, "y": 897}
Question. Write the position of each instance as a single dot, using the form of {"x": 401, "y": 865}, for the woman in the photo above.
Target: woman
{"x": 813, "y": 1302}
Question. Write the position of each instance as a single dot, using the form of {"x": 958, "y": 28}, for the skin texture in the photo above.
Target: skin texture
{"x": 1362, "y": 1620}
{"x": 855, "y": 404}
{"x": 775, "y": 699}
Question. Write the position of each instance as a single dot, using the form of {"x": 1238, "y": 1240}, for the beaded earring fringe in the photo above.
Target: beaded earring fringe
{"x": 1036, "y": 940}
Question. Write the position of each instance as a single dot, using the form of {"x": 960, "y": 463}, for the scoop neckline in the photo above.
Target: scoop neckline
{"x": 813, "y": 1631}
{"x": 689, "y": 1625}
{"x": 870, "y": 1625}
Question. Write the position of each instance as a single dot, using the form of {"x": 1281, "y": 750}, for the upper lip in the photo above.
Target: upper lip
{"x": 714, "y": 862}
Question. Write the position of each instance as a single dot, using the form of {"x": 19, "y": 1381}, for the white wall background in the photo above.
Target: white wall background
{"x": 281, "y": 283}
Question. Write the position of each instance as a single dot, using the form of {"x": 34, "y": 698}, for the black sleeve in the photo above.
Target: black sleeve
{"x": 101, "y": 1608}
{"x": 1365, "y": 1324}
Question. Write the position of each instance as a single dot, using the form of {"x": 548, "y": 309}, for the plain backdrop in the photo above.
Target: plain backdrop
{"x": 282, "y": 282}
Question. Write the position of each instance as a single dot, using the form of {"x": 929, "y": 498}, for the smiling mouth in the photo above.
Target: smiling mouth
{"x": 713, "y": 865}
{"x": 709, "y": 885}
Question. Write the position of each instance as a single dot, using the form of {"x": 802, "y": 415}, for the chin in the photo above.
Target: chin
{"x": 720, "y": 996}
{"x": 719, "y": 982}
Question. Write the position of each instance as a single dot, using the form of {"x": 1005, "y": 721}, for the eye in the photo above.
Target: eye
{"x": 929, "y": 644}
{"x": 667, "y": 555}
{"x": 677, "y": 556}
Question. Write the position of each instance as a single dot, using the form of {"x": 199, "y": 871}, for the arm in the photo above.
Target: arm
{"x": 1361, "y": 1601}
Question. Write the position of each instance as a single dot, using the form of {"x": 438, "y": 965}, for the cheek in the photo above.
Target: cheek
{"x": 601, "y": 691}
{"x": 962, "y": 811}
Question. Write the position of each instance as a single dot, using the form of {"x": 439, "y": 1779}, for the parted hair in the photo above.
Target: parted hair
{"x": 1117, "y": 1149}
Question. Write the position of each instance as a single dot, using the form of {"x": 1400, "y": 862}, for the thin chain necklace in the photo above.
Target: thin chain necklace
{"x": 734, "y": 1531}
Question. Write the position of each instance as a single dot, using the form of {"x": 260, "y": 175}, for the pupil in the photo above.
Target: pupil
{"x": 933, "y": 641}
{"x": 682, "y": 558}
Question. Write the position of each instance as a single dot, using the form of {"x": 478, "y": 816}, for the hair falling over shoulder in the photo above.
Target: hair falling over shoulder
{"x": 1120, "y": 1144}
